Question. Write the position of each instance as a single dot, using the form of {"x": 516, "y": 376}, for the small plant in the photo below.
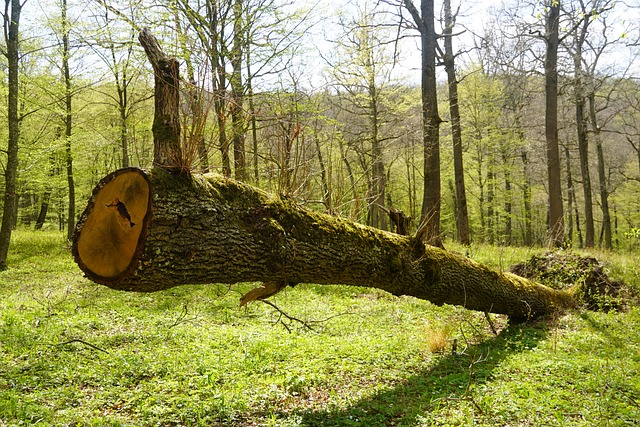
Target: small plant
{"x": 436, "y": 338}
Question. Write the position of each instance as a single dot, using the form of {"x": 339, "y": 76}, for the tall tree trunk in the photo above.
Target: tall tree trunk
{"x": 237, "y": 93}
{"x": 430, "y": 216}
{"x": 378, "y": 177}
{"x": 583, "y": 149}
{"x": 12, "y": 40}
{"x": 570, "y": 196}
{"x": 579, "y": 89}
{"x": 602, "y": 177}
{"x": 462, "y": 215}
{"x": 526, "y": 198}
{"x": 556, "y": 220}
{"x": 123, "y": 103}
{"x": 71, "y": 214}
{"x": 219, "y": 79}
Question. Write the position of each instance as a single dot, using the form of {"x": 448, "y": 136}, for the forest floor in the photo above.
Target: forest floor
{"x": 76, "y": 353}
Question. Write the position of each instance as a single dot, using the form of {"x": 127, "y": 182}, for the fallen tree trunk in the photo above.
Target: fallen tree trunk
{"x": 148, "y": 231}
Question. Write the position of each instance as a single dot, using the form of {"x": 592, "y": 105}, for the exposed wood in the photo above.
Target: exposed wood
{"x": 211, "y": 229}
{"x": 114, "y": 226}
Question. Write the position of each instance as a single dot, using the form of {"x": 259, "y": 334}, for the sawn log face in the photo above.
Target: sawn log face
{"x": 210, "y": 229}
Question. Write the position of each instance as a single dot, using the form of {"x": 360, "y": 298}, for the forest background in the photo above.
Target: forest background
{"x": 321, "y": 102}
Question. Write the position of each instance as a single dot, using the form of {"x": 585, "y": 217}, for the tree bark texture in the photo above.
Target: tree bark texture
{"x": 9, "y": 213}
{"x": 462, "y": 215}
{"x": 210, "y": 229}
{"x": 556, "y": 219}
{"x": 425, "y": 23}
{"x": 166, "y": 123}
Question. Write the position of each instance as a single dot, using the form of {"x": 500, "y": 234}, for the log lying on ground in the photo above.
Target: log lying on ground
{"x": 152, "y": 231}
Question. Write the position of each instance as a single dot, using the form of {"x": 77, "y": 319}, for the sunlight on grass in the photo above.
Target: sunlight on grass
{"x": 76, "y": 353}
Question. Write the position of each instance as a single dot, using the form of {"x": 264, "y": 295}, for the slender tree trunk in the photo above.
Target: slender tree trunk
{"x": 68, "y": 124}
{"x": 602, "y": 178}
{"x": 556, "y": 220}
{"x": 583, "y": 149}
{"x": 526, "y": 198}
{"x": 491, "y": 185}
{"x": 12, "y": 40}
{"x": 253, "y": 118}
{"x": 219, "y": 72}
{"x": 462, "y": 215}
{"x": 508, "y": 202}
{"x": 123, "y": 100}
{"x": 237, "y": 94}
{"x": 570, "y": 196}
{"x": 430, "y": 216}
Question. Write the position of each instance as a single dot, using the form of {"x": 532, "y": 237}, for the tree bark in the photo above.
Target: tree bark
{"x": 606, "y": 241}
{"x": 556, "y": 220}
{"x": 166, "y": 123}
{"x": 152, "y": 231}
{"x": 9, "y": 213}
{"x": 425, "y": 22}
{"x": 68, "y": 118}
{"x": 462, "y": 215}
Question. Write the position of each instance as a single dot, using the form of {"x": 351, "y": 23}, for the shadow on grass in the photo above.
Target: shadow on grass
{"x": 425, "y": 391}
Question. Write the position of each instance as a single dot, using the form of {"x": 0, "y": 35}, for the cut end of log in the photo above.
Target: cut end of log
{"x": 111, "y": 232}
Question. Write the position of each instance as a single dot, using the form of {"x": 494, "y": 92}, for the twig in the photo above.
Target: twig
{"x": 182, "y": 318}
{"x": 493, "y": 328}
{"x": 95, "y": 347}
{"x": 291, "y": 318}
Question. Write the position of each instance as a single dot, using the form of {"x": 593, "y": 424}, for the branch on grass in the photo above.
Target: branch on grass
{"x": 291, "y": 318}
{"x": 88, "y": 344}
{"x": 182, "y": 318}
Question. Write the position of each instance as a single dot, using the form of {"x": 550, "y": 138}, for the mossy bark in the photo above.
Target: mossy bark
{"x": 211, "y": 229}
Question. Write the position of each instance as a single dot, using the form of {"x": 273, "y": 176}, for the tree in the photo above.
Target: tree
{"x": 114, "y": 42}
{"x": 360, "y": 72}
{"x": 424, "y": 21}
{"x": 254, "y": 236}
{"x": 11, "y": 21}
{"x": 68, "y": 118}
{"x": 462, "y": 215}
{"x": 556, "y": 215}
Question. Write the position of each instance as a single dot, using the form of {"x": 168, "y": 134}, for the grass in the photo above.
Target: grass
{"x": 73, "y": 353}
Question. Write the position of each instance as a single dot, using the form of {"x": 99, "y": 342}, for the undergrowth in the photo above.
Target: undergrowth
{"x": 76, "y": 353}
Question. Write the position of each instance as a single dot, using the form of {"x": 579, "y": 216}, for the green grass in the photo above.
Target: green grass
{"x": 73, "y": 353}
